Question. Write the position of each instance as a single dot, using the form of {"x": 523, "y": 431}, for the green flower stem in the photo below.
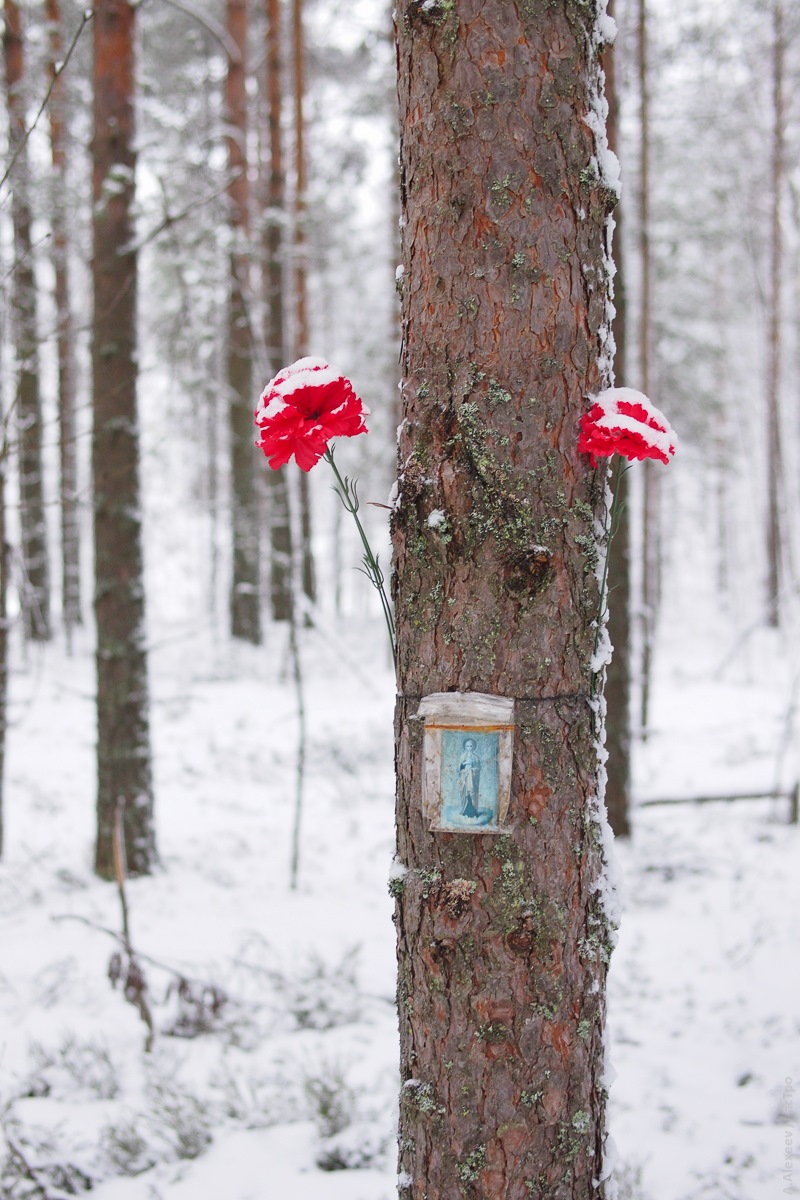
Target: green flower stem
{"x": 347, "y": 491}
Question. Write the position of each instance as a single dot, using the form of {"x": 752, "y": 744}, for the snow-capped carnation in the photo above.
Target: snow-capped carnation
{"x": 302, "y": 408}
{"x": 623, "y": 421}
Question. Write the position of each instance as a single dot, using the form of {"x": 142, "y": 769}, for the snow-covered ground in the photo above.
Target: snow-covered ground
{"x": 290, "y": 993}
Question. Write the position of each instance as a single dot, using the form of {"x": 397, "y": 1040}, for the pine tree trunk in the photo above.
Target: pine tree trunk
{"x": 245, "y": 589}
{"x": 307, "y": 571}
{"x": 70, "y": 527}
{"x": 503, "y": 939}
{"x": 123, "y": 735}
{"x": 279, "y": 512}
{"x": 618, "y": 681}
{"x": 33, "y": 527}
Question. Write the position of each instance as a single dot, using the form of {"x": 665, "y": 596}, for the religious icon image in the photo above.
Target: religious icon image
{"x": 468, "y": 747}
{"x": 469, "y": 778}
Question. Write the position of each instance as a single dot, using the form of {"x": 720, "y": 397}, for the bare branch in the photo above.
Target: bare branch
{"x": 214, "y": 28}
{"x": 18, "y": 262}
{"x": 57, "y": 73}
{"x": 134, "y": 984}
{"x": 171, "y": 219}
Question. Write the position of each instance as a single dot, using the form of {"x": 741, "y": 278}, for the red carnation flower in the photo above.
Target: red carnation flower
{"x": 623, "y": 421}
{"x": 302, "y": 408}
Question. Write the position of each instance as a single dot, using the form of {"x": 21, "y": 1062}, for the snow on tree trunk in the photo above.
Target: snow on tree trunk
{"x": 503, "y": 940}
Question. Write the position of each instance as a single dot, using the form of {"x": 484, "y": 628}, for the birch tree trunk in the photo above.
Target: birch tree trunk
{"x": 123, "y": 722}
{"x": 33, "y": 526}
{"x": 503, "y": 939}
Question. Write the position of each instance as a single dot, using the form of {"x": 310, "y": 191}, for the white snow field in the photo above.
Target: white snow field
{"x": 287, "y": 1084}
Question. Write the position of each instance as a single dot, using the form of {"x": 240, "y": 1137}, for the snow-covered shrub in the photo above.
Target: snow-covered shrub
{"x": 360, "y": 1145}
{"x": 126, "y": 1148}
{"x": 349, "y": 1136}
{"x": 181, "y": 1120}
{"x": 34, "y": 1163}
{"x": 318, "y": 994}
{"x": 78, "y": 1067}
{"x": 254, "y": 1099}
{"x": 330, "y": 1099}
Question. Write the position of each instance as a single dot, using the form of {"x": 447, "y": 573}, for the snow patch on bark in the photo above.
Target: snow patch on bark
{"x": 397, "y": 870}
{"x": 609, "y": 883}
{"x": 610, "y": 1159}
{"x": 602, "y": 655}
{"x": 606, "y": 168}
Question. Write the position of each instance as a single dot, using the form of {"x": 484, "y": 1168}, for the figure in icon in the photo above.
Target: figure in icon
{"x": 469, "y": 778}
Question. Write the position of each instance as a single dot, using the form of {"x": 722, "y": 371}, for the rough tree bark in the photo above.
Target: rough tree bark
{"x": 275, "y": 284}
{"x": 70, "y": 527}
{"x": 245, "y": 590}
{"x": 618, "y": 681}
{"x": 307, "y": 570}
{"x": 33, "y": 526}
{"x": 503, "y": 941}
{"x": 123, "y": 732}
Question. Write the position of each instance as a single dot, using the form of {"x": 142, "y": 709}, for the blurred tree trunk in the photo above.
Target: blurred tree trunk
{"x": 123, "y": 731}
{"x": 3, "y": 638}
{"x": 723, "y": 443}
{"x": 618, "y": 679}
{"x": 503, "y": 941}
{"x": 774, "y": 458}
{"x": 33, "y": 527}
{"x": 395, "y": 240}
{"x": 275, "y": 223}
{"x": 307, "y": 571}
{"x": 65, "y": 337}
{"x": 245, "y": 590}
{"x": 651, "y": 548}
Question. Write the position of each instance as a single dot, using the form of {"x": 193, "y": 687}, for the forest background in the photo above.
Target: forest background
{"x": 264, "y": 947}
